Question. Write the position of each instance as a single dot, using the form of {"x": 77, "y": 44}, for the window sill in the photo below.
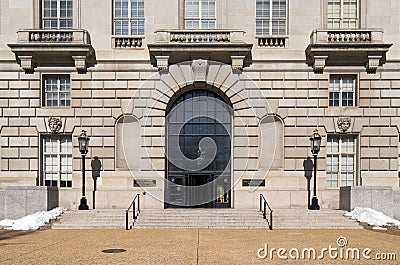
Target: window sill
{"x": 55, "y": 107}
{"x": 127, "y": 42}
{"x": 343, "y": 111}
{"x": 272, "y": 41}
{"x": 333, "y": 188}
{"x": 343, "y": 107}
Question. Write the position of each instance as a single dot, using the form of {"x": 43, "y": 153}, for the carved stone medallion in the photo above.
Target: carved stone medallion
{"x": 344, "y": 124}
{"x": 55, "y": 124}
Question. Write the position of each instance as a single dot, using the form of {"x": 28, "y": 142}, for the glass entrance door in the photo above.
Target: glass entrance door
{"x": 198, "y": 191}
{"x": 198, "y": 173}
{"x": 193, "y": 190}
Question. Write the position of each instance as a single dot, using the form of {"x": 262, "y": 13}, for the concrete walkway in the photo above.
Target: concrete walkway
{"x": 186, "y": 246}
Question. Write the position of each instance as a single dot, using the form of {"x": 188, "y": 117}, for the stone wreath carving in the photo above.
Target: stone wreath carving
{"x": 55, "y": 124}
{"x": 344, "y": 124}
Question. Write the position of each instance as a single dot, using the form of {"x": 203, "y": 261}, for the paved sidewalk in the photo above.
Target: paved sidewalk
{"x": 185, "y": 246}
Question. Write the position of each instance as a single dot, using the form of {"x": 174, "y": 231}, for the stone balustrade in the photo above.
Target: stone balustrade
{"x": 38, "y": 46}
{"x": 127, "y": 42}
{"x": 53, "y": 36}
{"x": 272, "y": 41}
{"x": 333, "y": 46}
{"x": 199, "y": 36}
{"x": 346, "y": 36}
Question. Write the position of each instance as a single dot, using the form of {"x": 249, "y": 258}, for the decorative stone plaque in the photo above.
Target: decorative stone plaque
{"x": 144, "y": 183}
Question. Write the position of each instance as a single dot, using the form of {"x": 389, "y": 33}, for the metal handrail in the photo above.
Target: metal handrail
{"x": 135, "y": 213}
{"x": 263, "y": 208}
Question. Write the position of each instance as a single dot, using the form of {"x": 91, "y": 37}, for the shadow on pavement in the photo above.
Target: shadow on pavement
{"x": 8, "y": 234}
{"x": 394, "y": 232}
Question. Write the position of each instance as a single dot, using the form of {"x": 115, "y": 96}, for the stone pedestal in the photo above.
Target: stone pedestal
{"x": 20, "y": 201}
{"x": 379, "y": 198}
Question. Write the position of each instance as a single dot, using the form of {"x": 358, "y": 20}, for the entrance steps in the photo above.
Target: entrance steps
{"x": 91, "y": 219}
{"x": 206, "y": 218}
{"x": 309, "y": 219}
{"x": 200, "y": 218}
{"x": 244, "y": 218}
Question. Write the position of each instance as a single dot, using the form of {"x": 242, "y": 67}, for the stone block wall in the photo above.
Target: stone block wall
{"x": 20, "y": 201}
{"x": 379, "y": 198}
{"x": 396, "y": 203}
{"x": 2, "y": 204}
{"x": 101, "y": 96}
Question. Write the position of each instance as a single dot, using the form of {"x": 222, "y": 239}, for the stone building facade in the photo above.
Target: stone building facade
{"x": 116, "y": 69}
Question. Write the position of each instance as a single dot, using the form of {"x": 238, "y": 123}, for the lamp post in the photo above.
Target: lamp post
{"x": 83, "y": 140}
{"x": 315, "y": 140}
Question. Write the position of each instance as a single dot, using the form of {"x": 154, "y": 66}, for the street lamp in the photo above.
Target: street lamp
{"x": 83, "y": 140}
{"x": 315, "y": 140}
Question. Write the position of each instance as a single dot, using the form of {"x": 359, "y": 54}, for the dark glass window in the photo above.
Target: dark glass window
{"x": 193, "y": 127}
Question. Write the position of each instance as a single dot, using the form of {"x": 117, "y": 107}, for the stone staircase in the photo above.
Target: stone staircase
{"x": 206, "y": 218}
{"x": 201, "y": 218}
{"x": 91, "y": 219}
{"x": 322, "y": 219}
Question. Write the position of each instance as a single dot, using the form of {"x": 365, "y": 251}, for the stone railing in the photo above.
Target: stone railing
{"x": 272, "y": 41}
{"x": 199, "y": 36}
{"x": 127, "y": 42}
{"x": 53, "y": 36}
{"x": 333, "y": 46}
{"x": 334, "y": 36}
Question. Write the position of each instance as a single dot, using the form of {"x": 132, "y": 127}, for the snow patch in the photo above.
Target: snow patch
{"x": 371, "y": 217}
{"x": 33, "y": 221}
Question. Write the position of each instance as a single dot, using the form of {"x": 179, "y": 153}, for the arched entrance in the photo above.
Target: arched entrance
{"x": 198, "y": 141}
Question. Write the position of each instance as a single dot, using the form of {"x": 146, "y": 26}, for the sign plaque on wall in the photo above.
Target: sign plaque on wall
{"x": 144, "y": 183}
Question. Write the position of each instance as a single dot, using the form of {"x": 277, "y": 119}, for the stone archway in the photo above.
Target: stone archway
{"x": 150, "y": 104}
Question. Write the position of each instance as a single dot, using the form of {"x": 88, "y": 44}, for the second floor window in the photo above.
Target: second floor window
{"x": 57, "y": 91}
{"x": 342, "y": 14}
{"x": 200, "y": 14}
{"x": 57, "y": 14}
{"x": 128, "y": 17}
{"x": 271, "y": 17}
{"x": 341, "y": 91}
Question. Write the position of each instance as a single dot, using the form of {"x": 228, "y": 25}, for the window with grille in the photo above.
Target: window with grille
{"x": 342, "y": 14}
{"x": 200, "y": 14}
{"x": 128, "y": 17}
{"x": 342, "y": 91}
{"x": 57, "y": 161}
{"x": 340, "y": 161}
{"x": 57, "y": 91}
{"x": 271, "y": 17}
{"x": 57, "y": 14}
